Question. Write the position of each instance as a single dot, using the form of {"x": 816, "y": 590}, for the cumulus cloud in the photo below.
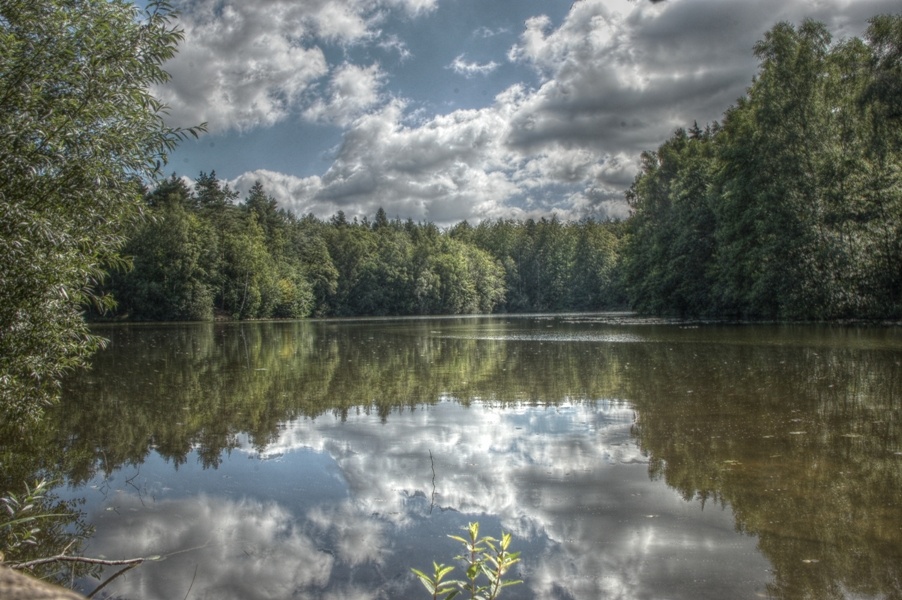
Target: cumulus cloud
{"x": 621, "y": 76}
{"x": 449, "y": 168}
{"x": 442, "y": 169}
{"x": 235, "y": 71}
{"x": 291, "y": 192}
{"x": 351, "y": 91}
{"x": 612, "y": 79}
{"x": 245, "y": 65}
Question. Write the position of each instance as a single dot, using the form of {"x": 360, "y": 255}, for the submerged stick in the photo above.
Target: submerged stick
{"x": 432, "y": 460}
{"x": 121, "y": 571}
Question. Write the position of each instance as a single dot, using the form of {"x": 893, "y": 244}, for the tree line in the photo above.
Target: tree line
{"x": 791, "y": 208}
{"x": 200, "y": 253}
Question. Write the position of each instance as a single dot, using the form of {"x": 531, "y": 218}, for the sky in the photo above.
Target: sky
{"x": 451, "y": 110}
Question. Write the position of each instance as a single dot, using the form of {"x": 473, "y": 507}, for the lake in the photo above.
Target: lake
{"x": 629, "y": 458}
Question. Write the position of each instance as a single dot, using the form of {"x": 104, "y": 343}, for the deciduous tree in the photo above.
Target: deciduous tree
{"x": 79, "y": 130}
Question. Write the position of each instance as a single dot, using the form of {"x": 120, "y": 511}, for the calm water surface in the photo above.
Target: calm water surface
{"x": 629, "y": 458}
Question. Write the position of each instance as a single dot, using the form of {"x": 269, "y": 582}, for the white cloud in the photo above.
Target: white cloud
{"x": 412, "y": 7}
{"x": 471, "y": 69}
{"x": 245, "y": 65}
{"x": 608, "y": 90}
{"x": 395, "y": 44}
{"x": 615, "y": 78}
{"x": 486, "y": 32}
{"x": 292, "y": 193}
{"x": 351, "y": 91}
{"x": 619, "y": 76}
{"x": 236, "y": 71}
{"x": 440, "y": 169}
{"x": 339, "y": 21}
{"x": 449, "y": 168}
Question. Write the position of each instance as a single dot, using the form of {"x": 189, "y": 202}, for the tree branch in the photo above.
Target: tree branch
{"x": 79, "y": 559}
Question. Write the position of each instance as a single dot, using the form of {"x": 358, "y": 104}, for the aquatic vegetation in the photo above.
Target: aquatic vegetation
{"x": 487, "y": 561}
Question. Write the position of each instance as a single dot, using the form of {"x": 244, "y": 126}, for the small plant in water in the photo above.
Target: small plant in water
{"x": 487, "y": 561}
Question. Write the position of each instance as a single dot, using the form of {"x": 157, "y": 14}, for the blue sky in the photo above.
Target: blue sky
{"x": 445, "y": 110}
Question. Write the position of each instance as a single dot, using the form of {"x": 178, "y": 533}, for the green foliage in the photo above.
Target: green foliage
{"x": 78, "y": 130}
{"x": 34, "y": 524}
{"x": 174, "y": 260}
{"x": 487, "y": 561}
{"x": 199, "y": 252}
{"x": 792, "y": 209}
{"x": 309, "y": 245}
{"x": 553, "y": 266}
{"x": 672, "y": 228}
{"x": 436, "y": 584}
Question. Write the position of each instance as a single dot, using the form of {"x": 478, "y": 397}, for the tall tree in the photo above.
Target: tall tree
{"x": 673, "y": 227}
{"x": 882, "y": 101}
{"x": 553, "y": 260}
{"x": 309, "y": 243}
{"x": 595, "y": 283}
{"x": 385, "y": 285}
{"x": 174, "y": 257}
{"x": 772, "y": 186}
{"x": 79, "y": 128}
{"x": 349, "y": 245}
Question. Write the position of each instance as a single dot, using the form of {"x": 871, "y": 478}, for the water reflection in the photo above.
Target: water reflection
{"x": 802, "y": 442}
{"x": 343, "y": 452}
{"x": 240, "y": 549}
{"x": 346, "y": 506}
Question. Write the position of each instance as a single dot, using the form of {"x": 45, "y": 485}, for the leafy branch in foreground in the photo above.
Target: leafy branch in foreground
{"x": 39, "y": 535}
{"x": 487, "y": 560}
{"x": 34, "y": 523}
{"x": 80, "y": 134}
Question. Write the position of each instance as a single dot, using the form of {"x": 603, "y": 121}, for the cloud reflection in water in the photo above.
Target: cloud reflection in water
{"x": 568, "y": 481}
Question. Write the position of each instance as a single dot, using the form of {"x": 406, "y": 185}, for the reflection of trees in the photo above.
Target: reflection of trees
{"x": 802, "y": 442}
{"x": 177, "y": 389}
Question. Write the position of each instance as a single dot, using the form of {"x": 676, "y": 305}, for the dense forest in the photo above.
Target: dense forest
{"x": 200, "y": 253}
{"x": 791, "y": 208}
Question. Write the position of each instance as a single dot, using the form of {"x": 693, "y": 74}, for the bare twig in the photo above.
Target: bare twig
{"x": 432, "y": 460}
{"x": 78, "y": 559}
{"x": 192, "y": 583}
{"x": 129, "y": 564}
{"x": 140, "y": 493}
{"x": 121, "y": 571}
